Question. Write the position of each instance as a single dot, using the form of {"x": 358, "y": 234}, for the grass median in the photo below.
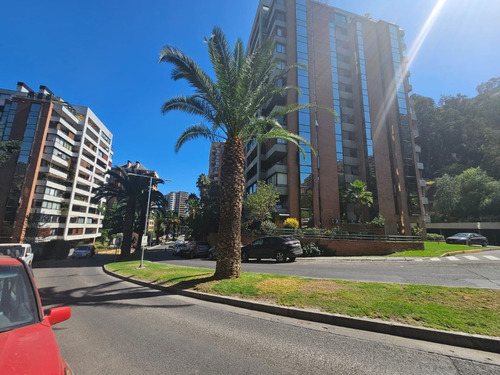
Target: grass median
{"x": 436, "y": 249}
{"x": 455, "y": 309}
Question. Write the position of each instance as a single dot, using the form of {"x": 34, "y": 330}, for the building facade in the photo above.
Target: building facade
{"x": 46, "y": 187}
{"x": 358, "y": 67}
{"x": 177, "y": 202}
{"x": 214, "y": 163}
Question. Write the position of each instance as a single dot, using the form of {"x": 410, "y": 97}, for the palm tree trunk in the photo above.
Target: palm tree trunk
{"x": 231, "y": 200}
{"x": 128, "y": 227}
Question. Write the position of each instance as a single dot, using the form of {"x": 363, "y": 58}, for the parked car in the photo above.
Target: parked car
{"x": 276, "y": 247}
{"x": 27, "y": 342}
{"x": 18, "y": 250}
{"x": 468, "y": 239}
{"x": 195, "y": 249}
{"x": 178, "y": 247}
{"x": 212, "y": 252}
{"x": 83, "y": 251}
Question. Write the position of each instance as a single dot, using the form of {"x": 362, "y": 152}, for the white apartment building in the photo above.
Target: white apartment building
{"x": 75, "y": 158}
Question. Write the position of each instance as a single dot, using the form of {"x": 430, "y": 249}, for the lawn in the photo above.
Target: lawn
{"x": 435, "y": 249}
{"x": 456, "y": 309}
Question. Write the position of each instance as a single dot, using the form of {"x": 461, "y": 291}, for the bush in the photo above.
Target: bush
{"x": 291, "y": 223}
{"x": 379, "y": 221}
{"x": 416, "y": 231}
{"x": 311, "y": 250}
{"x": 268, "y": 227}
{"x": 56, "y": 249}
{"x": 435, "y": 237}
{"x": 325, "y": 251}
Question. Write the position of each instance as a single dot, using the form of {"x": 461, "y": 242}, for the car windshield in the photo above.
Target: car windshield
{"x": 17, "y": 301}
{"x": 461, "y": 235}
{"x": 82, "y": 247}
{"x": 12, "y": 250}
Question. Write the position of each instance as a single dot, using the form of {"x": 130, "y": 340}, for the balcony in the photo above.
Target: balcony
{"x": 275, "y": 153}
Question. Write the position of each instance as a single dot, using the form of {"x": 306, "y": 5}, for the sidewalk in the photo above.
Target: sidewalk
{"x": 478, "y": 342}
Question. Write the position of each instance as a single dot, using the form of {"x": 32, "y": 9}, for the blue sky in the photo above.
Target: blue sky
{"x": 103, "y": 54}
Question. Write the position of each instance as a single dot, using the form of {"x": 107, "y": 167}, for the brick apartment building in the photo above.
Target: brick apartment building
{"x": 65, "y": 153}
{"x": 358, "y": 67}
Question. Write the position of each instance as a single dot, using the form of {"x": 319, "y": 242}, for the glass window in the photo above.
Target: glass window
{"x": 280, "y": 48}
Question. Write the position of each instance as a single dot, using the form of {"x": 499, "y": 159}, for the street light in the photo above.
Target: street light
{"x": 147, "y": 209}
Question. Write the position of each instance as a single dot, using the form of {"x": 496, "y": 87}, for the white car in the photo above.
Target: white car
{"x": 18, "y": 250}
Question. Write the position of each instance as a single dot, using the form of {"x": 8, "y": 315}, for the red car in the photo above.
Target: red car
{"x": 27, "y": 343}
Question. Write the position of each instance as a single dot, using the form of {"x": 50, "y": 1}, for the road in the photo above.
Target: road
{"x": 120, "y": 328}
{"x": 476, "y": 270}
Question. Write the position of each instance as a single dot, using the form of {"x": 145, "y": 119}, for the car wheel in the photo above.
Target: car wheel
{"x": 484, "y": 244}
{"x": 280, "y": 257}
{"x": 191, "y": 254}
{"x": 259, "y": 259}
{"x": 244, "y": 257}
{"x": 292, "y": 259}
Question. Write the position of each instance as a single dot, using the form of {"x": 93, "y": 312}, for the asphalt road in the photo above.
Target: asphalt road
{"x": 121, "y": 328}
{"x": 459, "y": 271}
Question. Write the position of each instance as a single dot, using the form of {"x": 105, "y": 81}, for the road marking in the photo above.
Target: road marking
{"x": 436, "y": 259}
{"x": 452, "y": 258}
{"x": 491, "y": 257}
{"x": 470, "y": 257}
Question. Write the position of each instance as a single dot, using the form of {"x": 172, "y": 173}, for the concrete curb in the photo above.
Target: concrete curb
{"x": 465, "y": 340}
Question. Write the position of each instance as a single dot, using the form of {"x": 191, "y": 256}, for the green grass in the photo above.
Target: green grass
{"x": 435, "y": 249}
{"x": 457, "y": 309}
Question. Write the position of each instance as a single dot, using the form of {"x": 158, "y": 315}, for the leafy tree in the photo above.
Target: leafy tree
{"x": 113, "y": 217}
{"x": 230, "y": 106}
{"x": 262, "y": 202}
{"x": 7, "y": 148}
{"x": 470, "y": 196}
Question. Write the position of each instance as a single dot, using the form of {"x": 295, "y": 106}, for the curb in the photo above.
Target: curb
{"x": 465, "y": 340}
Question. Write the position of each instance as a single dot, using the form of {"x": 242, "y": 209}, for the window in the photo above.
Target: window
{"x": 280, "y": 31}
{"x": 280, "y": 48}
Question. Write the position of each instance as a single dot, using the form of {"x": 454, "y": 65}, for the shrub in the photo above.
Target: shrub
{"x": 416, "y": 231}
{"x": 56, "y": 249}
{"x": 379, "y": 221}
{"x": 325, "y": 251}
{"x": 268, "y": 227}
{"x": 435, "y": 237}
{"x": 311, "y": 250}
{"x": 291, "y": 223}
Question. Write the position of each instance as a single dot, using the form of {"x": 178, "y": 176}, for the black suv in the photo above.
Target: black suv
{"x": 277, "y": 247}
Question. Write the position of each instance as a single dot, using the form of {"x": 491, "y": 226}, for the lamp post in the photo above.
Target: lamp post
{"x": 147, "y": 209}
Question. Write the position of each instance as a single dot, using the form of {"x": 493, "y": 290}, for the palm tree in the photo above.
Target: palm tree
{"x": 231, "y": 108}
{"x": 126, "y": 189}
{"x": 359, "y": 197}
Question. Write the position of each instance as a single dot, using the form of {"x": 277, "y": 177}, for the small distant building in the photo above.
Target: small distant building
{"x": 214, "y": 164}
{"x": 177, "y": 202}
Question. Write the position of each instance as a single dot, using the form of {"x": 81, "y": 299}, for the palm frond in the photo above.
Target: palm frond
{"x": 195, "y": 131}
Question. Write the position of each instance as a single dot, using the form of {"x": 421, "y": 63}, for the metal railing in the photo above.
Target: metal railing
{"x": 320, "y": 234}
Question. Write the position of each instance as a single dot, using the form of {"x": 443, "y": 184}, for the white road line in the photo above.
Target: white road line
{"x": 436, "y": 259}
{"x": 470, "y": 257}
{"x": 491, "y": 257}
{"x": 452, "y": 258}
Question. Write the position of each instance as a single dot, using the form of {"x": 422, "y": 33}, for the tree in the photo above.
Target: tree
{"x": 230, "y": 106}
{"x": 127, "y": 189}
{"x": 470, "y": 196}
{"x": 7, "y": 148}
{"x": 359, "y": 197}
{"x": 262, "y": 202}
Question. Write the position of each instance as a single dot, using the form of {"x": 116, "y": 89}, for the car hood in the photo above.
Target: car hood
{"x": 30, "y": 350}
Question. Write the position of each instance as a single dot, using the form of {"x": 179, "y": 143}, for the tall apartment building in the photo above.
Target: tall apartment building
{"x": 216, "y": 150}
{"x": 358, "y": 67}
{"x": 65, "y": 153}
{"x": 177, "y": 202}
